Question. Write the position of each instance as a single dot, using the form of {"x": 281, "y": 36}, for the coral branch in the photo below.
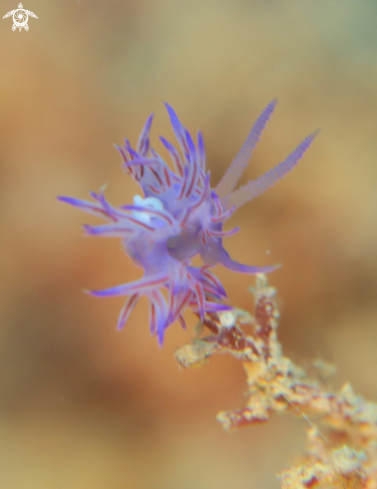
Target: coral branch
{"x": 344, "y": 454}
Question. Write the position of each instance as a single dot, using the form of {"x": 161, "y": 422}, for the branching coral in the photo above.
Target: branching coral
{"x": 342, "y": 445}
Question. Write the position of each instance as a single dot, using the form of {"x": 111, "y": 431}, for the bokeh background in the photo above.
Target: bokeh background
{"x": 85, "y": 407}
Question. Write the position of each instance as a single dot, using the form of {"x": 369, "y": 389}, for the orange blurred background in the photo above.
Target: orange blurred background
{"x": 85, "y": 407}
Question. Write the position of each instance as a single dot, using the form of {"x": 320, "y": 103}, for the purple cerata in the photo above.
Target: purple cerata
{"x": 178, "y": 217}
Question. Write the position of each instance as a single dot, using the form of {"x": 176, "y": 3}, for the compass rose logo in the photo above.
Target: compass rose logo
{"x": 20, "y": 17}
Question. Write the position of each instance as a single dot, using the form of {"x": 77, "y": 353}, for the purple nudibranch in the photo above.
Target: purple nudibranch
{"x": 178, "y": 217}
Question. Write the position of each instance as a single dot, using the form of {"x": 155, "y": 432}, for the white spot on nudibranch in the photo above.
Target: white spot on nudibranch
{"x": 227, "y": 319}
{"x": 149, "y": 203}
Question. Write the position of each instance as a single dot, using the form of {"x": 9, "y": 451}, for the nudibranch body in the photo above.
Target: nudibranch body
{"x": 179, "y": 217}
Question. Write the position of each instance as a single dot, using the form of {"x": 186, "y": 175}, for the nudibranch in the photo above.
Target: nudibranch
{"x": 178, "y": 217}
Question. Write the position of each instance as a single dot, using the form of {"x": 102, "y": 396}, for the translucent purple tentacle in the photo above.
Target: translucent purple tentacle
{"x": 174, "y": 155}
{"x": 178, "y": 128}
{"x": 143, "y": 142}
{"x": 160, "y": 314}
{"x": 201, "y": 151}
{"x": 86, "y": 206}
{"x": 227, "y": 262}
{"x": 109, "y": 230}
{"x": 126, "y": 311}
{"x": 138, "y": 287}
{"x": 238, "y": 165}
{"x": 268, "y": 179}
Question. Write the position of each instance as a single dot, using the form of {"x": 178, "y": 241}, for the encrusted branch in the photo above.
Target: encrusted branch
{"x": 344, "y": 452}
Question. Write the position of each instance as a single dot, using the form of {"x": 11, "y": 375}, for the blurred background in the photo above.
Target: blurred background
{"x": 85, "y": 407}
